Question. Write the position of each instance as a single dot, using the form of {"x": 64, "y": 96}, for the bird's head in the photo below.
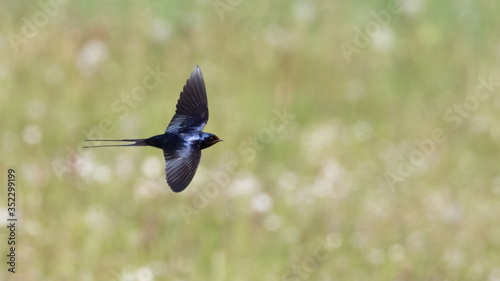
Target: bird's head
{"x": 207, "y": 140}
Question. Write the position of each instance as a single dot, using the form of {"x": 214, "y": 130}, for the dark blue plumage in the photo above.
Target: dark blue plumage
{"x": 184, "y": 138}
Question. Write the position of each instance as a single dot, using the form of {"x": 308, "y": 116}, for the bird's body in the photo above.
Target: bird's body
{"x": 184, "y": 138}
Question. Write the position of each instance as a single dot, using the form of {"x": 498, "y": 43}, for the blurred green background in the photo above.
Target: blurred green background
{"x": 385, "y": 166}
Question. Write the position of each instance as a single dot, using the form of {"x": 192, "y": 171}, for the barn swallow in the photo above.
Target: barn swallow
{"x": 184, "y": 138}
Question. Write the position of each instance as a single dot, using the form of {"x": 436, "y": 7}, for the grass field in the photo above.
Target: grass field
{"x": 361, "y": 140}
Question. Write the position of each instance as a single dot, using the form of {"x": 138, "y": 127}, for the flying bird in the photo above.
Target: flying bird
{"x": 184, "y": 138}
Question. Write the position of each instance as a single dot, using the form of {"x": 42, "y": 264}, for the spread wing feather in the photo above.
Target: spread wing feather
{"x": 181, "y": 165}
{"x": 192, "y": 106}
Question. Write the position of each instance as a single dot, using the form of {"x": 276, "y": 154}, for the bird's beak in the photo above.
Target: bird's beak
{"x": 216, "y": 141}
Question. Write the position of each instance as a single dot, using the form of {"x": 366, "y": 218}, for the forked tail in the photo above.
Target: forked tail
{"x": 137, "y": 142}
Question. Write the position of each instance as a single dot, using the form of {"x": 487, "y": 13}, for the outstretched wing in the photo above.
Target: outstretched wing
{"x": 181, "y": 165}
{"x": 192, "y": 106}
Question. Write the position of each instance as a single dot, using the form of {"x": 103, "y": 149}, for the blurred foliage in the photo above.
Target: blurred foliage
{"x": 313, "y": 199}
